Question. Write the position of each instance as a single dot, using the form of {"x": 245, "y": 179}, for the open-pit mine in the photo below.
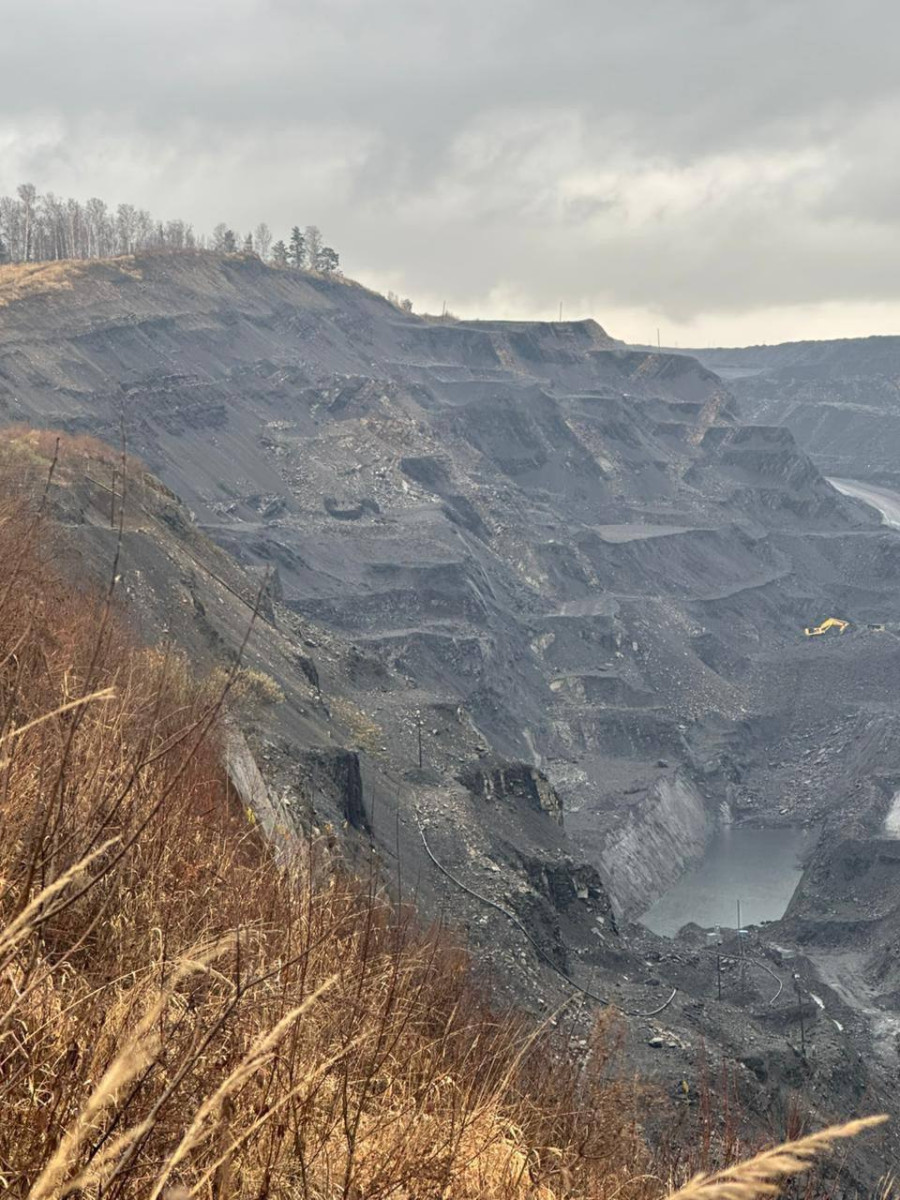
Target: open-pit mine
{"x": 541, "y": 610}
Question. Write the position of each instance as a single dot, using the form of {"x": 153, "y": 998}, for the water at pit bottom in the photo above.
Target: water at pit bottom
{"x": 759, "y": 867}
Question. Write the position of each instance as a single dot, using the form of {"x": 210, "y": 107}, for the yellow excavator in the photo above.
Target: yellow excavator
{"x": 831, "y": 623}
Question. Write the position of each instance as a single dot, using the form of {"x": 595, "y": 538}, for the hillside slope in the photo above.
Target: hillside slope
{"x": 566, "y": 569}
{"x": 188, "y": 1005}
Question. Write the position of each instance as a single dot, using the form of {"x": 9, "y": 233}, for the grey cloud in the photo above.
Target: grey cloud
{"x": 680, "y": 156}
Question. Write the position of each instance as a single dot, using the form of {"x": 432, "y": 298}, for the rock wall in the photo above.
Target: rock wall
{"x": 247, "y": 781}
{"x": 334, "y": 772}
{"x": 654, "y": 845}
{"x": 513, "y": 782}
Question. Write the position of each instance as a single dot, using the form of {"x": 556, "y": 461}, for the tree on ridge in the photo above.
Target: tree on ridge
{"x": 43, "y": 227}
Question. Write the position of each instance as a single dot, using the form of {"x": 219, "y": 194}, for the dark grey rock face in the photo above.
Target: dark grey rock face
{"x": 336, "y": 772}
{"x": 513, "y": 783}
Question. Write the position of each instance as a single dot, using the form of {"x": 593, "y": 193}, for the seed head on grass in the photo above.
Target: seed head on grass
{"x": 764, "y": 1174}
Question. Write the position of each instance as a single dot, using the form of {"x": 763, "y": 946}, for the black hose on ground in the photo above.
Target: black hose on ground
{"x": 510, "y": 916}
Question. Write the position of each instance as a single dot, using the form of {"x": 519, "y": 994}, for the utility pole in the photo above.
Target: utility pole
{"x": 740, "y": 934}
{"x": 800, "y": 1014}
{"x": 717, "y": 937}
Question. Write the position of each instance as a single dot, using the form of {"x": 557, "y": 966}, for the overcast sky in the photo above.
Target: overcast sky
{"x": 726, "y": 170}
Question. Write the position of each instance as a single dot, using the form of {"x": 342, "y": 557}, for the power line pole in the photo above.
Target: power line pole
{"x": 717, "y": 936}
{"x": 740, "y": 934}
{"x": 800, "y": 1014}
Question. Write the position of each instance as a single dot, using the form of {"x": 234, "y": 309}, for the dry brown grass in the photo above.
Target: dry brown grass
{"x": 248, "y": 688}
{"x": 23, "y": 446}
{"x": 29, "y": 454}
{"x": 764, "y": 1174}
{"x": 20, "y": 281}
{"x": 363, "y": 731}
{"x": 183, "y": 1013}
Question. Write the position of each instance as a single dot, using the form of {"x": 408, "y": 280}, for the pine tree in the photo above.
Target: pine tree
{"x": 248, "y": 244}
{"x": 279, "y": 254}
{"x": 297, "y": 249}
{"x": 329, "y": 260}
